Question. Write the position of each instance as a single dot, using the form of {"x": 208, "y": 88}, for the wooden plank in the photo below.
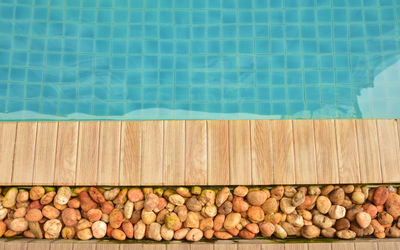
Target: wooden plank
{"x": 318, "y": 246}
{"x": 45, "y": 153}
{"x": 2, "y": 244}
{"x": 109, "y": 153}
{"x": 67, "y": 145}
{"x": 133, "y": 246}
{"x": 130, "y": 162}
{"x": 7, "y": 145}
{"x": 343, "y": 245}
{"x": 349, "y": 170}
{"x": 152, "y": 153}
{"x": 24, "y": 155}
{"x": 178, "y": 246}
{"x": 88, "y": 153}
{"x": 196, "y": 153}
{"x": 389, "y": 150}
{"x": 251, "y": 246}
{"x": 296, "y": 246}
{"x": 272, "y": 246}
{"x": 61, "y": 245}
{"x": 218, "y": 152}
{"x": 283, "y": 154}
{"x": 368, "y": 150}
{"x": 103, "y": 246}
{"x": 225, "y": 246}
{"x": 326, "y": 151}
{"x": 240, "y": 153}
{"x": 202, "y": 246}
{"x": 388, "y": 245}
{"x": 261, "y": 153}
{"x": 366, "y": 245}
{"x": 174, "y": 152}
{"x": 154, "y": 247}
{"x": 84, "y": 246}
{"x": 20, "y": 244}
{"x": 39, "y": 244}
{"x": 304, "y": 152}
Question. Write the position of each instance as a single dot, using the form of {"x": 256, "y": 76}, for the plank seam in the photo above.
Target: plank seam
{"x": 337, "y": 152}
{"x": 119, "y": 152}
{"x": 162, "y": 155}
{"x": 206, "y": 138}
{"x": 77, "y": 151}
{"x": 315, "y": 152}
{"x": 294, "y": 152}
{"x": 34, "y": 154}
{"x": 358, "y": 152}
{"x": 15, "y": 146}
{"x": 379, "y": 149}
{"x": 98, "y": 155}
{"x": 229, "y": 152}
{"x": 251, "y": 154}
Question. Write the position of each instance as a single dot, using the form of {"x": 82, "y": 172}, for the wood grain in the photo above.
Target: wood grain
{"x": 250, "y": 246}
{"x": 131, "y": 150}
{"x": 196, "y": 153}
{"x": 343, "y": 246}
{"x": 154, "y": 247}
{"x": 368, "y": 150}
{"x": 293, "y": 246}
{"x": 84, "y": 246}
{"x": 261, "y": 153}
{"x": 240, "y": 153}
{"x": 152, "y": 153}
{"x": 66, "y": 153}
{"x": 61, "y": 245}
{"x": 39, "y": 245}
{"x": 222, "y": 246}
{"x": 174, "y": 152}
{"x": 326, "y": 151}
{"x": 272, "y": 246}
{"x": 304, "y": 152}
{"x": 24, "y": 155}
{"x": 202, "y": 246}
{"x": 389, "y": 150}
{"x": 388, "y": 245}
{"x": 20, "y": 244}
{"x": 88, "y": 153}
{"x": 218, "y": 152}
{"x": 366, "y": 245}
{"x": 45, "y": 153}
{"x": 318, "y": 246}
{"x": 283, "y": 154}
{"x": 349, "y": 170}
{"x": 109, "y": 153}
{"x": 7, "y": 145}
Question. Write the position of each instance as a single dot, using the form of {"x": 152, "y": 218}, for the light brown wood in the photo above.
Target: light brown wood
{"x": 109, "y": 153}
{"x": 131, "y": 246}
{"x": 88, "y": 153}
{"x": 368, "y": 149}
{"x": 366, "y": 245}
{"x": 273, "y": 247}
{"x": 7, "y": 144}
{"x": 196, "y": 153}
{"x": 326, "y": 151}
{"x": 218, "y": 152}
{"x": 226, "y": 246}
{"x": 20, "y": 244}
{"x": 174, "y": 152}
{"x": 389, "y": 150}
{"x": 239, "y": 153}
{"x": 178, "y": 246}
{"x": 343, "y": 245}
{"x": 304, "y": 152}
{"x": 152, "y": 153}
{"x": 154, "y": 247}
{"x": 283, "y": 154}
{"x": 84, "y": 246}
{"x": 349, "y": 170}
{"x": 262, "y": 150}
{"x": 131, "y": 150}
{"x": 202, "y": 246}
{"x": 386, "y": 245}
{"x": 66, "y": 153}
{"x": 250, "y": 246}
{"x": 102, "y": 246}
{"x": 319, "y": 246}
{"x": 39, "y": 245}
{"x": 24, "y": 155}
{"x": 298, "y": 246}
{"x": 61, "y": 245}
{"x": 45, "y": 153}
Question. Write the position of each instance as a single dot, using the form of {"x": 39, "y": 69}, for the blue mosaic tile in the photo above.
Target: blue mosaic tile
{"x": 189, "y": 59}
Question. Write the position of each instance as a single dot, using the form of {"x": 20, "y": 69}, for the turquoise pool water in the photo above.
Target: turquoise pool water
{"x": 199, "y": 59}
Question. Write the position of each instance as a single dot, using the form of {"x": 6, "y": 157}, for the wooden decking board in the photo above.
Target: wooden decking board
{"x": 152, "y": 153}
{"x": 131, "y": 149}
{"x": 66, "y": 153}
{"x": 389, "y": 149}
{"x": 261, "y": 152}
{"x": 293, "y": 246}
{"x": 174, "y": 152}
{"x": 24, "y": 153}
{"x": 196, "y": 153}
{"x": 343, "y": 246}
{"x": 7, "y": 145}
{"x": 88, "y": 153}
{"x": 370, "y": 169}
{"x": 109, "y": 153}
{"x": 349, "y": 170}
{"x": 45, "y": 153}
{"x": 304, "y": 152}
{"x": 239, "y": 153}
{"x": 200, "y": 152}
{"x": 218, "y": 152}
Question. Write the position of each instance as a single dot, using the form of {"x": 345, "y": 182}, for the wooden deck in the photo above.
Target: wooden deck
{"x": 200, "y": 152}
{"x": 367, "y": 244}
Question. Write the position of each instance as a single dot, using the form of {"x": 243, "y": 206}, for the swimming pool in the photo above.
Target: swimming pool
{"x": 215, "y": 59}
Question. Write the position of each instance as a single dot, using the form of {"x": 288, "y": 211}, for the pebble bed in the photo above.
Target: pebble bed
{"x": 195, "y": 213}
